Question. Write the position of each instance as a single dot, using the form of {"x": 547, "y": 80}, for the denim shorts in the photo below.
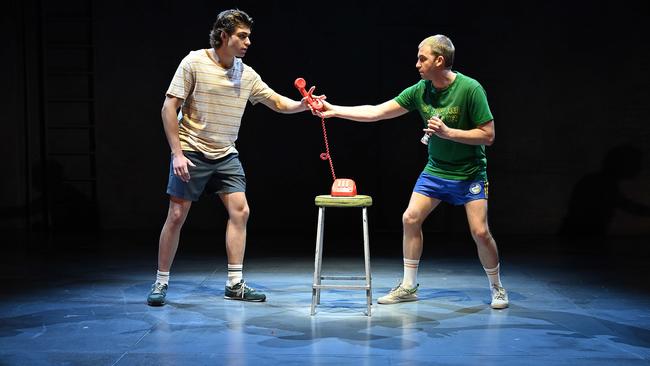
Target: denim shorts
{"x": 224, "y": 175}
{"x": 456, "y": 192}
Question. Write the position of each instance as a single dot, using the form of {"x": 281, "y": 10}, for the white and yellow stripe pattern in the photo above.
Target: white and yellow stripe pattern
{"x": 214, "y": 102}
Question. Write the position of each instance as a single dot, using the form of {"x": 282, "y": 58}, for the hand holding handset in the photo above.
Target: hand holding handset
{"x": 427, "y": 135}
{"x": 341, "y": 187}
{"x": 315, "y": 103}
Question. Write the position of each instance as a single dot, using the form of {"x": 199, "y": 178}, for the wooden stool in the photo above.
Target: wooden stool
{"x": 328, "y": 201}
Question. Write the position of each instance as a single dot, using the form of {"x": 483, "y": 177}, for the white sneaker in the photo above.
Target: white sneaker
{"x": 399, "y": 294}
{"x": 499, "y": 297}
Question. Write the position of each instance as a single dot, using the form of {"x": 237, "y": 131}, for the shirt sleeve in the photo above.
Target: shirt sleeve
{"x": 407, "y": 98}
{"x": 182, "y": 84}
{"x": 479, "y": 109}
{"x": 259, "y": 90}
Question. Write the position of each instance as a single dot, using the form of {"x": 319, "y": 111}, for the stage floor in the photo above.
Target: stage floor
{"x": 91, "y": 310}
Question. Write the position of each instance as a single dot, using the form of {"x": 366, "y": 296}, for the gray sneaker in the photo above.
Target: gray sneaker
{"x": 399, "y": 294}
{"x": 499, "y": 297}
{"x": 157, "y": 294}
{"x": 241, "y": 291}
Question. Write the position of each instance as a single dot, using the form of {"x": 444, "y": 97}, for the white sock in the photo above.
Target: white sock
{"x": 493, "y": 275}
{"x": 162, "y": 277}
{"x": 235, "y": 272}
{"x": 410, "y": 273}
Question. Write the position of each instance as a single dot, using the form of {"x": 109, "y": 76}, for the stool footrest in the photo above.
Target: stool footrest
{"x": 342, "y": 277}
{"x": 344, "y": 287}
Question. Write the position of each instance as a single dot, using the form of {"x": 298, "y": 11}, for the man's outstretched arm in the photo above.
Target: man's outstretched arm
{"x": 282, "y": 104}
{"x": 362, "y": 113}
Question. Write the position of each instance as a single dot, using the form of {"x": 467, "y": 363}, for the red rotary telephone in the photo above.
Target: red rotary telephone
{"x": 342, "y": 187}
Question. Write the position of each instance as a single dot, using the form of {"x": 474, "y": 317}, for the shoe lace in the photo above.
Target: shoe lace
{"x": 158, "y": 288}
{"x": 243, "y": 289}
{"x": 499, "y": 293}
{"x": 396, "y": 288}
{"x": 399, "y": 290}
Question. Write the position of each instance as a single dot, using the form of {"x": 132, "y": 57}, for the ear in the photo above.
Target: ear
{"x": 223, "y": 36}
{"x": 439, "y": 61}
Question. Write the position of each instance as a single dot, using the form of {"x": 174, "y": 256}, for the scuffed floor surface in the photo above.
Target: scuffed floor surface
{"x": 89, "y": 313}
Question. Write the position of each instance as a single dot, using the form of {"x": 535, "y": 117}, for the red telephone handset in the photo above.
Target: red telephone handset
{"x": 315, "y": 103}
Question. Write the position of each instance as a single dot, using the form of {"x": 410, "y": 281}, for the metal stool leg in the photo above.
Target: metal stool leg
{"x": 366, "y": 255}
{"x": 320, "y": 255}
{"x": 325, "y": 201}
{"x": 315, "y": 292}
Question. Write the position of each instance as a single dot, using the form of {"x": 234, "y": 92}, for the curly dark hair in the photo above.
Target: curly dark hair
{"x": 227, "y": 21}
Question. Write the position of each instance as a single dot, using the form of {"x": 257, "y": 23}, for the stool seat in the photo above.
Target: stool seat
{"x": 327, "y": 200}
{"x": 323, "y": 202}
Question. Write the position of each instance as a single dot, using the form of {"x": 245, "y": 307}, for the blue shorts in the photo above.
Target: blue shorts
{"x": 456, "y": 192}
{"x": 224, "y": 175}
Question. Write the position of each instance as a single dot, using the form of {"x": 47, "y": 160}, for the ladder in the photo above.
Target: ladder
{"x": 67, "y": 125}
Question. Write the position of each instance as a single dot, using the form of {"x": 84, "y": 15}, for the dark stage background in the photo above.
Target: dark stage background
{"x": 84, "y": 150}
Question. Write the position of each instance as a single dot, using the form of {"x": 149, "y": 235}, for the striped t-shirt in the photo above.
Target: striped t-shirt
{"x": 214, "y": 102}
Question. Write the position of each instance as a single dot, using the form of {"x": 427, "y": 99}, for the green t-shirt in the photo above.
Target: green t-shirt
{"x": 462, "y": 105}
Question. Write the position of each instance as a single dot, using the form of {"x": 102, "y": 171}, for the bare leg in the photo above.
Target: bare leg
{"x": 477, "y": 218}
{"x": 238, "y": 212}
{"x": 487, "y": 250}
{"x": 419, "y": 208}
{"x": 171, "y": 231}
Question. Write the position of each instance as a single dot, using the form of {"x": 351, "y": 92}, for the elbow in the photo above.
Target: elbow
{"x": 490, "y": 140}
{"x": 280, "y": 108}
{"x": 376, "y": 115}
{"x": 376, "y": 118}
{"x": 281, "y": 105}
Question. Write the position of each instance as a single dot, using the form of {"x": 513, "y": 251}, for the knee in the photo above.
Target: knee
{"x": 482, "y": 235}
{"x": 411, "y": 218}
{"x": 176, "y": 216}
{"x": 240, "y": 213}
